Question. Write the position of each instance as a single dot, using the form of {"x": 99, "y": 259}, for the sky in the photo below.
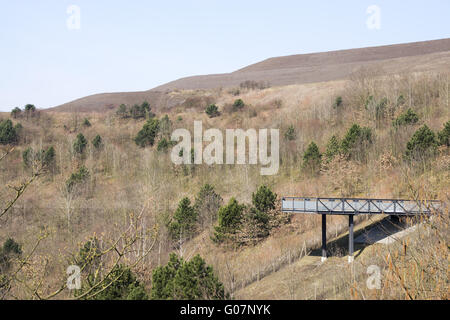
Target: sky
{"x": 55, "y": 51}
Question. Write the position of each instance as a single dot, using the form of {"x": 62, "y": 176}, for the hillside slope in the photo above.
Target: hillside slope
{"x": 281, "y": 71}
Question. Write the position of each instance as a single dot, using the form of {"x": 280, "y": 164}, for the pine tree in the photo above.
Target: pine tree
{"x": 186, "y": 280}
{"x": 230, "y": 220}
{"x": 422, "y": 145}
{"x": 312, "y": 158}
{"x": 184, "y": 221}
{"x": 444, "y": 135}
{"x": 80, "y": 144}
{"x": 148, "y": 134}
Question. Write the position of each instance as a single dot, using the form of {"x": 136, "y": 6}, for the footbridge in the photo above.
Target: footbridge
{"x": 356, "y": 206}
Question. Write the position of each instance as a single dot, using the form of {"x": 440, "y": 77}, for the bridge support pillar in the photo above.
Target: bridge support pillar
{"x": 324, "y": 237}
{"x": 350, "y": 238}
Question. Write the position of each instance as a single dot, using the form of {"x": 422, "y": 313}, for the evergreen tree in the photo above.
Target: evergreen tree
{"x": 263, "y": 202}
{"x": 16, "y": 113}
{"x": 444, "y": 135}
{"x": 207, "y": 203}
{"x": 238, "y": 105}
{"x": 8, "y": 133}
{"x": 148, "y": 133}
{"x": 184, "y": 221}
{"x": 290, "y": 133}
{"x": 356, "y": 140}
{"x": 186, "y": 280}
{"x": 312, "y": 158}
{"x": 122, "y": 111}
{"x": 333, "y": 148}
{"x": 212, "y": 111}
{"x": 230, "y": 220}
{"x": 97, "y": 142}
{"x": 422, "y": 145}
{"x": 407, "y": 118}
{"x": 80, "y": 144}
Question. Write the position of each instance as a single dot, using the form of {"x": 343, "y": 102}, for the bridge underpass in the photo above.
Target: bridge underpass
{"x": 356, "y": 206}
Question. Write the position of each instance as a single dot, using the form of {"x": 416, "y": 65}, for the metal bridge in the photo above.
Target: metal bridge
{"x": 355, "y": 206}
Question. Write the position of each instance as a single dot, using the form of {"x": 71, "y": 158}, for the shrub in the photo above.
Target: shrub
{"x": 148, "y": 133}
{"x": 290, "y": 133}
{"x": 77, "y": 178}
{"x": 212, "y": 111}
{"x": 80, "y": 144}
{"x": 444, "y": 135}
{"x": 97, "y": 142}
{"x": 119, "y": 284}
{"x": 86, "y": 122}
{"x": 9, "y": 249}
{"x": 238, "y": 105}
{"x": 356, "y": 139}
{"x": 207, "y": 203}
{"x": 422, "y": 145}
{"x": 230, "y": 220}
{"x": 186, "y": 280}
{"x": 407, "y": 118}
{"x": 337, "y": 102}
{"x": 312, "y": 158}
{"x": 47, "y": 158}
{"x": 122, "y": 111}
{"x": 30, "y": 110}
{"x": 16, "y": 113}
{"x": 8, "y": 133}
{"x": 165, "y": 127}
{"x": 184, "y": 221}
{"x": 333, "y": 148}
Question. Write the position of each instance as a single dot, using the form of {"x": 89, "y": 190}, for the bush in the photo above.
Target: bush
{"x": 356, "y": 140}
{"x": 9, "y": 249}
{"x": 122, "y": 111}
{"x": 238, "y": 105}
{"x": 407, "y": 118}
{"x": 212, "y": 111}
{"x": 97, "y": 142}
{"x": 444, "y": 135}
{"x": 337, "y": 102}
{"x": 333, "y": 148}
{"x": 86, "y": 122}
{"x": 312, "y": 158}
{"x": 207, "y": 204}
{"x": 230, "y": 220}
{"x": 422, "y": 145}
{"x": 165, "y": 127}
{"x": 186, "y": 280}
{"x": 77, "y": 178}
{"x": 8, "y": 133}
{"x": 47, "y": 158}
{"x": 16, "y": 113}
{"x": 119, "y": 284}
{"x": 290, "y": 133}
{"x": 148, "y": 134}
{"x": 80, "y": 144}
{"x": 184, "y": 221}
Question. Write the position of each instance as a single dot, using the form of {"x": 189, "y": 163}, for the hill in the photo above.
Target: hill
{"x": 282, "y": 71}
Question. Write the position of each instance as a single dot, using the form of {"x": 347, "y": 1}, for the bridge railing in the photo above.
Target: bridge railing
{"x": 359, "y": 206}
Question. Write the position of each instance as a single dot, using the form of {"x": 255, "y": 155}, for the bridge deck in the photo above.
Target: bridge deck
{"x": 351, "y": 206}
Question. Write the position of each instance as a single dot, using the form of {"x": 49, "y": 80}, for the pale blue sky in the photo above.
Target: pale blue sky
{"x": 137, "y": 45}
